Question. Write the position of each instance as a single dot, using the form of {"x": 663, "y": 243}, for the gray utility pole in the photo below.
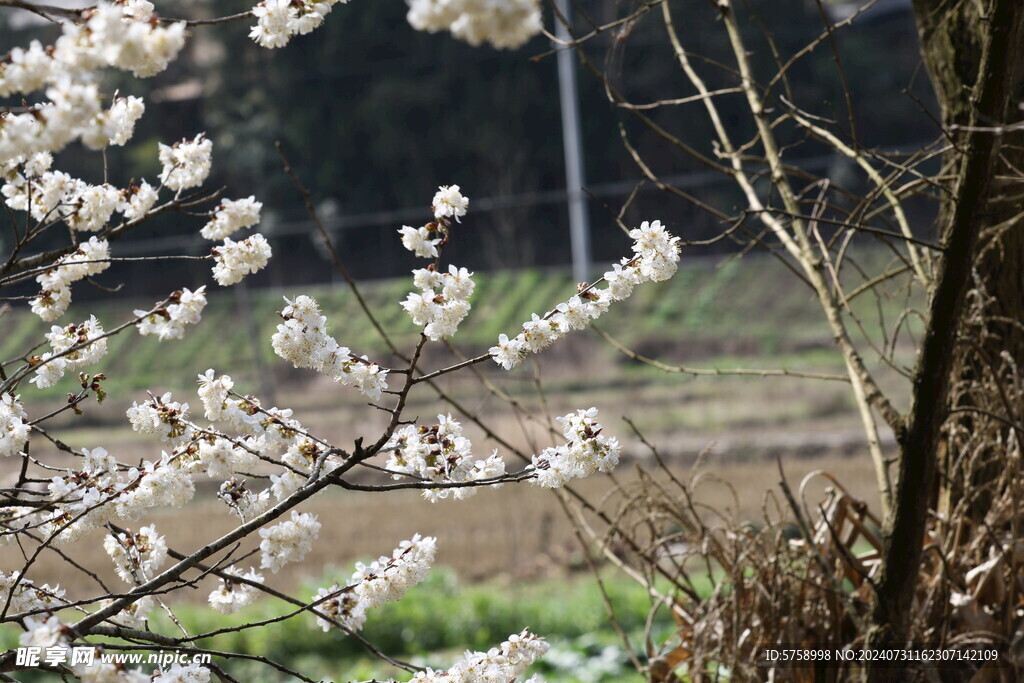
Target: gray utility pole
{"x": 579, "y": 225}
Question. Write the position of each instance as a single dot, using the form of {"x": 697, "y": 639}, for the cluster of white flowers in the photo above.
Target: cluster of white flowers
{"x": 586, "y": 450}
{"x": 164, "y": 417}
{"x": 505, "y": 24}
{"x": 390, "y": 578}
{"x": 655, "y": 259}
{"x": 266, "y": 432}
{"x": 116, "y": 125}
{"x": 136, "y": 556}
{"x": 14, "y": 519}
{"x": 214, "y": 392}
{"x": 126, "y": 36}
{"x": 163, "y": 483}
{"x": 46, "y": 631}
{"x": 134, "y": 615}
{"x": 25, "y": 596}
{"x": 443, "y": 300}
{"x": 91, "y": 347}
{"x": 302, "y": 340}
{"x": 278, "y": 21}
{"x": 423, "y": 241}
{"x": 386, "y": 580}
{"x": 184, "y": 307}
{"x": 220, "y": 457}
{"x": 30, "y": 185}
{"x": 51, "y": 196}
{"x": 24, "y": 71}
{"x": 497, "y": 665}
{"x": 102, "y": 492}
{"x": 657, "y": 250}
{"x": 243, "y": 501}
{"x": 188, "y": 673}
{"x": 301, "y": 456}
{"x": 230, "y": 596}
{"x": 420, "y": 240}
{"x": 288, "y": 541}
{"x": 13, "y": 428}
{"x": 90, "y": 258}
{"x": 449, "y": 202}
{"x": 78, "y": 495}
{"x": 186, "y": 163}
{"x": 440, "y": 453}
{"x": 138, "y": 200}
{"x": 43, "y": 631}
{"x": 235, "y": 260}
{"x": 231, "y": 216}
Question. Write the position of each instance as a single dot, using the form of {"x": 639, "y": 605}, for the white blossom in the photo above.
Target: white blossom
{"x": 230, "y": 596}
{"x": 191, "y": 673}
{"x": 25, "y": 596}
{"x": 38, "y": 164}
{"x": 185, "y": 164}
{"x": 93, "y": 208}
{"x": 81, "y": 498}
{"x": 389, "y": 578}
{"x": 26, "y": 70}
{"x": 288, "y": 541}
{"x": 213, "y": 391}
{"x": 163, "y": 417}
{"x": 90, "y": 258}
{"x": 505, "y": 24}
{"x": 126, "y": 36}
{"x": 302, "y": 339}
{"x": 231, "y": 216}
{"x": 136, "y": 556}
{"x": 497, "y": 665}
{"x": 91, "y": 345}
{"x": 271, "y": 29}
{"x": 14, "y": 519}
{"x": 280, "y": 20}
{"x": 43, "y": 631}
{"x": 417, "y": 240}
{"x": 440, "y": 453}
{"x": 658, "y": 251}
{"x": 13, "y": 428}
{"x": 129, "y": 41}
{"x": 162, "y": 483}
{"x": 443, "y": 302}
{"x": 50, "y": 304}
{"x": 220, "y": 458}
{"x": 386, "y": 580}
{"x": 655, "y": 259}
{"x": 134, "y": 615}
{"x": 234, "y": 260}
{"x": 185, "y": 307}
{"x": 243, "y": 501}
{"x": 586, "y": 450}
{"x": 139, "y": 200}
{"x": 116, "y": 125}
{"x": 449, "y": 202}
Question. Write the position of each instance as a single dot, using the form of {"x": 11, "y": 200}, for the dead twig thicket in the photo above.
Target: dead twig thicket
{"x": 934, "y": 359}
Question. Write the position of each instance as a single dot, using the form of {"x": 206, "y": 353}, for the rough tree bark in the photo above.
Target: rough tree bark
{"x": 974, "y": 54}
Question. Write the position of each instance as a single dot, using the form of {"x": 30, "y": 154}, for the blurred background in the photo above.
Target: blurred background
{"x": 374, "y": 116}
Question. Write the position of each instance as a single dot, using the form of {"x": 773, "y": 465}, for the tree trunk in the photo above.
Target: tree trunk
{"x": 974, "y": 53}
